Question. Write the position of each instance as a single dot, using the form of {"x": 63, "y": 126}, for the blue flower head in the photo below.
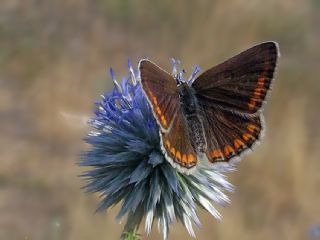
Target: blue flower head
{"x": 128, "y": 166}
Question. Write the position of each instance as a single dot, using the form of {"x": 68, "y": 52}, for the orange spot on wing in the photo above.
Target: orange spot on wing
{"x": 191, "y": 158}
{"x": 257, "y": 93}
{"x": 163, "y": 120}
{"x": 184, "y": 158}
{"x": 151, "y": 96}
{"x": 216, "y": 154}
{"x": 173, "y": 151}
{"x": 158, "y": 110}
{"x": 154, "y": 99}
{"x": 259, "y": 90}
{"x": 252, "y": 104}
{"x": 167, "y": 144}
{"x": 178, "y": 155}
{"x": 261, "y": 81}
{"x": 247, "y": 137}
{"x": 238, "y": 144}
{"x": 228, "y": 150}
{"x": 252, "y": 128}
{"x": 262, "y": 89}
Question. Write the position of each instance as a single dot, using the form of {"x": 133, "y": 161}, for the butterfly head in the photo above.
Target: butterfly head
{"x": 180, "y": 77}
{"x": 179, "y": 73}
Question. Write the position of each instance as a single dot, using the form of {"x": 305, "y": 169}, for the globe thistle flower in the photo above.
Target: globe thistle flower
{"x": 128, "y": 166}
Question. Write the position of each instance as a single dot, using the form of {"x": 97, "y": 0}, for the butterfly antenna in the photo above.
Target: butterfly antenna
{"x": 175, "y": 64}
{"x": 181, "y": 75}
{"x": 195, "y": 71}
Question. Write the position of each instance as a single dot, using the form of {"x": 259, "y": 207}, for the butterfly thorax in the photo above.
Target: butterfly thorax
{"x": 192, "y": 116}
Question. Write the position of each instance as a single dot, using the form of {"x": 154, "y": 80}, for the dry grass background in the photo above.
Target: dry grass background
{"x": 53, "y": 59}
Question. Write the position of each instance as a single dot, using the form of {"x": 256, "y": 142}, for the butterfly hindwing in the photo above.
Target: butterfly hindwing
{"x": 177, "y": 145}
{"x": 228, "y": 134}
{"x": 241, "y": 83}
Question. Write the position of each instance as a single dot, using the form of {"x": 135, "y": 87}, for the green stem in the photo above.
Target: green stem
{"x": 130, "y": 235}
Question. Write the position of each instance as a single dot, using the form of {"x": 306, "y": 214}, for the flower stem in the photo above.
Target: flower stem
{"x": 130, "y": 235}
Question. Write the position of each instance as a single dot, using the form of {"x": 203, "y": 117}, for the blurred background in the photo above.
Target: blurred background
{"x": 53, "y": 61}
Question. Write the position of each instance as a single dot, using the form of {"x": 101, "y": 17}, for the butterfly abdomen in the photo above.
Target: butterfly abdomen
{"x": 190, "y": 109}
{"x": 196, "y": 133}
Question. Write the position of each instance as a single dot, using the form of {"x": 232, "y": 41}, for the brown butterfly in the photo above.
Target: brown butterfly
{"x": 218, "y": 115}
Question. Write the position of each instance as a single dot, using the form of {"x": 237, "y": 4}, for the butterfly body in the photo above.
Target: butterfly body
{"x": 192, "y": 115}
{"x": 218, "y": 115}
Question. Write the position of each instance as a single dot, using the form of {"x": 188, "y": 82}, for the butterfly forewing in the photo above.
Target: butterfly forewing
{"x": 241, "y": 83}
{"x": 161, "y": 91}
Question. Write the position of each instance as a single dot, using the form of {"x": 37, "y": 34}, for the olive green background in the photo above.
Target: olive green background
{"x": 54, "y": 57}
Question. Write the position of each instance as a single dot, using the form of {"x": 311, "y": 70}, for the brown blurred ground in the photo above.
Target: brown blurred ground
{"x": 53, "y": 60}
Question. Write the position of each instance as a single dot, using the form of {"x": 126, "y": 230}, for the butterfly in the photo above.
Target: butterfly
{"x": 218, "y": 116}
